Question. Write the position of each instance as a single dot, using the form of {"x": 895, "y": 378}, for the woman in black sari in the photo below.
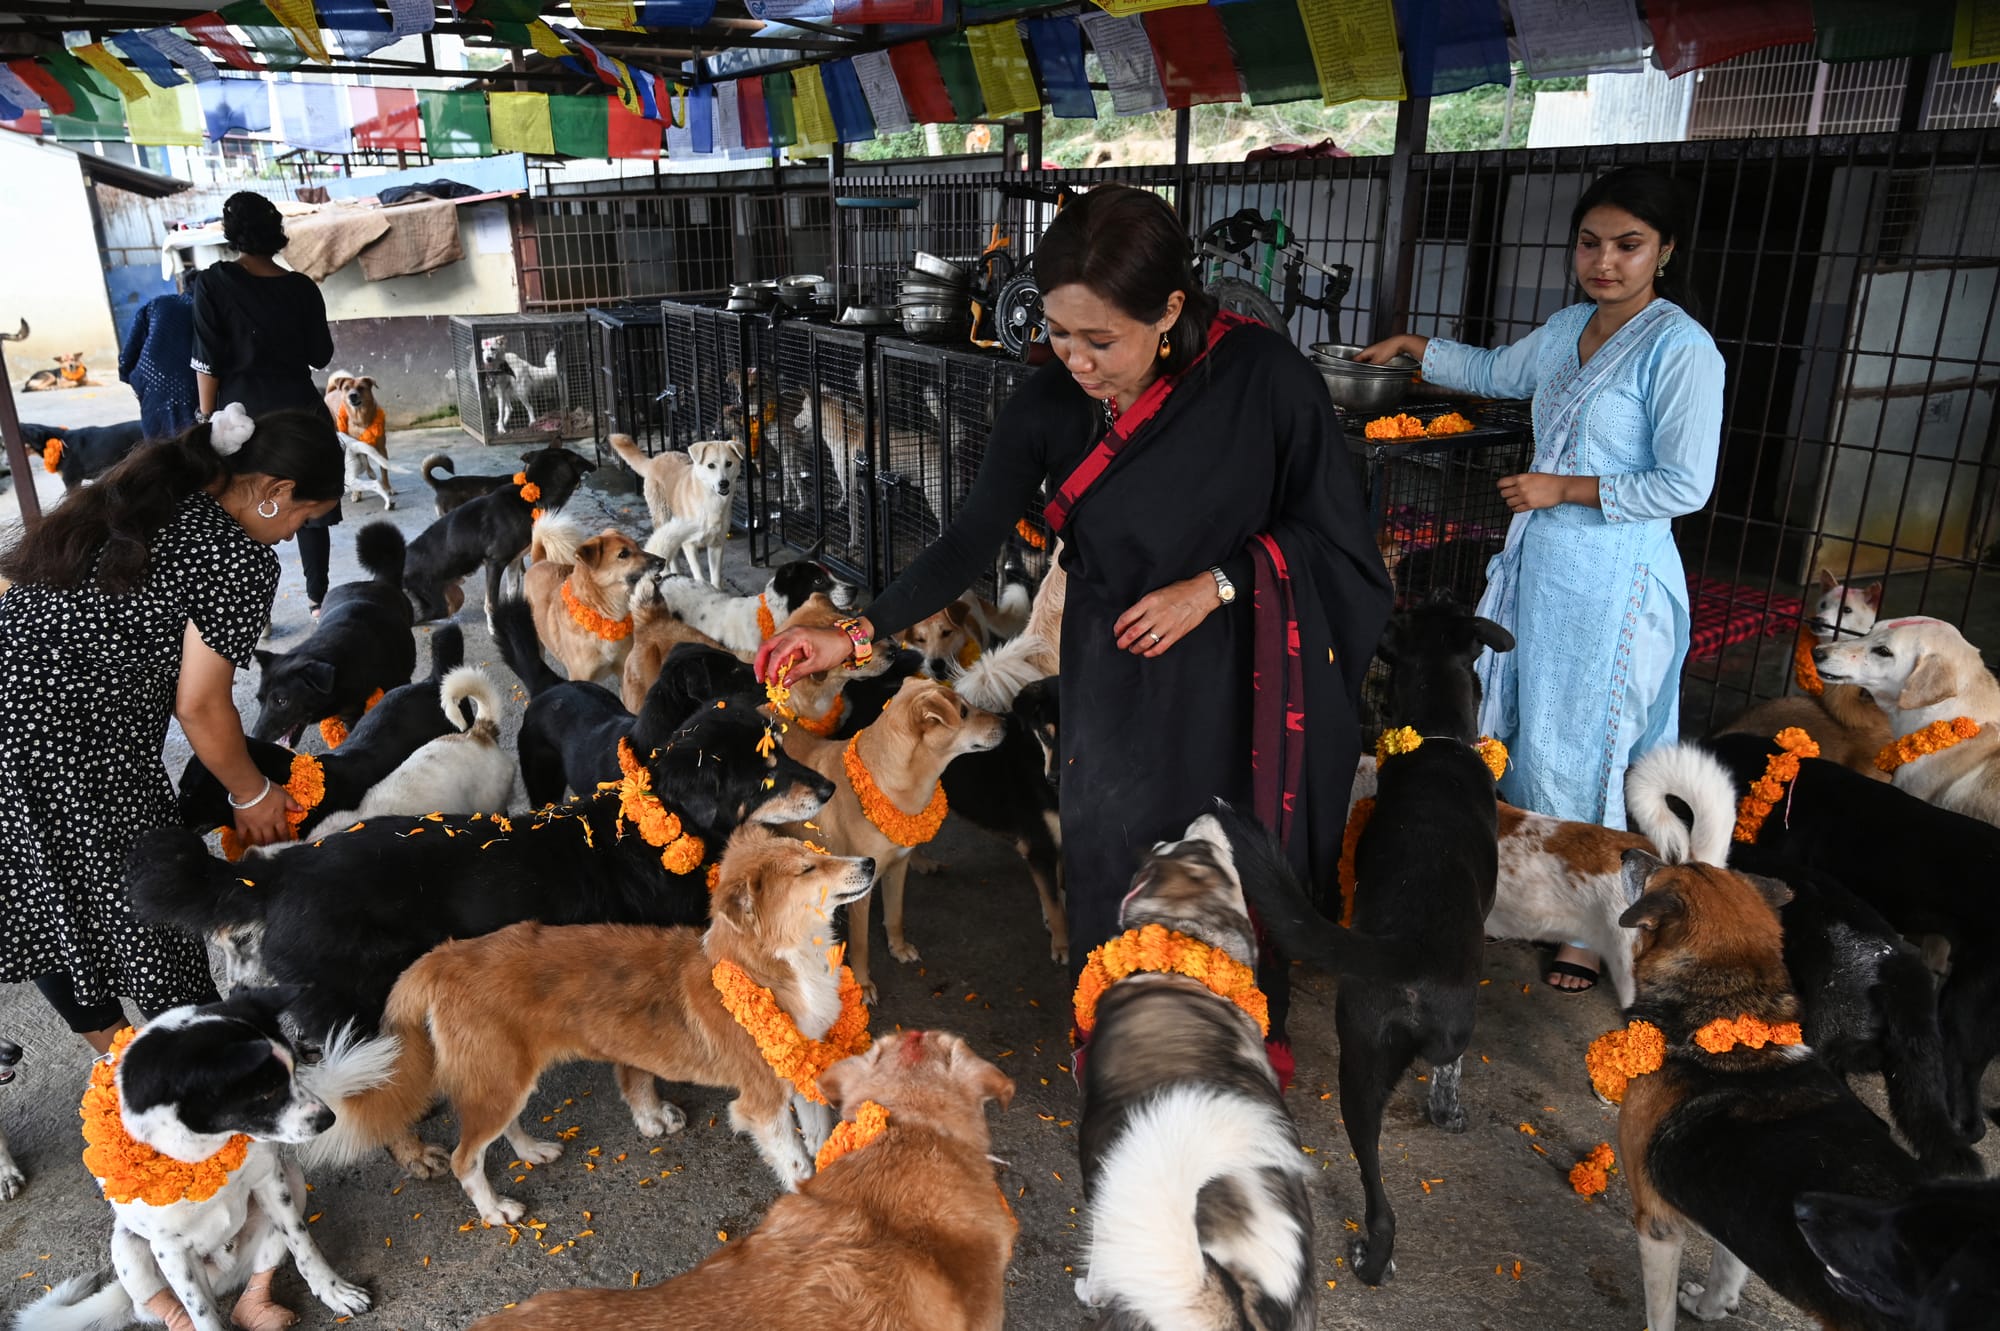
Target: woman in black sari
{"x": 1225, "y": 592}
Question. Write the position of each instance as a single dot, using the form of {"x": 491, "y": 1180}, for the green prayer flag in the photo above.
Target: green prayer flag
{"x": 99, "y": 113}
{"x": 455, "y": 124}
{"x": 778, "y": 110}
{"x": 264, "y": 33}
{"x": 961, "y": 77}
{"x": 1268, "y": 40}
{"x": 582, "y": 125}
{"x": 1871, "y": 30}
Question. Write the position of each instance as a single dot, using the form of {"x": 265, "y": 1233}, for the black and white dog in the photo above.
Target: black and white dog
{"x": 1186, "y": 1147}
{"x": 737, "y": 621}
{"x": 492, "y": 530}
{"x": 12, "y": 1180}
{"x": 362, "y": 643}
{"x": 192, "y": 1079}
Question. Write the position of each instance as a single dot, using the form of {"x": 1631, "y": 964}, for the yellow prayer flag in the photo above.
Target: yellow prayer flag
{"x": 166, "y": 116}
{"x": 545, "y": 40}
{"x": 1975, "y": 38}
{"x": 520, "y": 122}
{"x": 300, "y": 21}
{"x": 1005, "y": 80}
{"x": 815, "y": 117}
{"x": 1354, "y": 48}
{"x": 112, "y": 68}
{"x": 606, "y": 14}
{"x": 1121, "y": 8}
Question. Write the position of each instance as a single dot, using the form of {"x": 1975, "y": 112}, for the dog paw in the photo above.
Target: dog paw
{"x": 1059, "y": 953}
{"x": 902, "y": 951}
{"x": 541, "y": 1153}
{"x": 1452, "y": 1120}
{"x": 868, "y": 992}
{"x": 1698, "y": 1303}
{"x": 925, "y": 865}
{"x": 344, "y": 1298}
{"x": 1084, "y": 1295}
{"x": 1357, "y": 1258}
{"x": 505, "y": 1212}
{"x": 654, "y": 1123}
{"x": 12, "y": 1181}
{"x": 431, "y": 1162}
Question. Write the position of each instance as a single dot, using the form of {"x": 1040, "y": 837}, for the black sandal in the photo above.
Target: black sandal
{"x": 1574, "y": 971}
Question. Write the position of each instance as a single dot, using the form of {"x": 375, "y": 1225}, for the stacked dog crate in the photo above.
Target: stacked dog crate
{"x": 627, "y": 377}
{"x": 816, "y": 388}
{"x": 522, "y": 378}
{"x": 711, "y": 388}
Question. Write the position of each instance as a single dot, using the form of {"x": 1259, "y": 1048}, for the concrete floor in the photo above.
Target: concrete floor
{"x": 1491, "y": 1235}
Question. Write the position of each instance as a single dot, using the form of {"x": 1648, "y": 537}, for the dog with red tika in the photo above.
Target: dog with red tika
{"x": 364, "y": 434}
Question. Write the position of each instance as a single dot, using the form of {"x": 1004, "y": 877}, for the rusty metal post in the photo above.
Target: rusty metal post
{"x": 17, "y": 451}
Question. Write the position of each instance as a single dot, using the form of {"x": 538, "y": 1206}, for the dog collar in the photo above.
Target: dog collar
{"x": 1933, "y": 738}
{"x": 791, "y": 1054}
{"x": 1615, "y": 1057}
{"x": 1405, "y": 739}
{"x": 594, "y": 622}
{"x": 1156, "y": 948}
{"x": 905, "y": 829}
{"x": 127, "y": 1169}
{"x": 767, "y": 623}
{"x": 869, "y": 1122}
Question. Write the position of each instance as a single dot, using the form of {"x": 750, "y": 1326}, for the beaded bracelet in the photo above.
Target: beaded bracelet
{"x": 864, "y": 648}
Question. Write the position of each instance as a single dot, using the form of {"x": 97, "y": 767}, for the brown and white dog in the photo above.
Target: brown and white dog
{"x": 70, "y": 372}
{"x": 907, "y": 1231}
{"x": 966, "y": 629}
{"x": 997, "y": 677}
{"x": 364, "y": 434}
{"x": 581, "y": 594}
{"x": 688, "y": 495}
{"x": 656, "y": 631}
{"x": 477, "y": 1020}
{"x": 903, "y": 752}
{"x": 1923, "y": 671}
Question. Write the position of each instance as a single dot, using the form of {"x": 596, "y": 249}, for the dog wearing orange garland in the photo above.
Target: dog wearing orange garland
{"x": 581, "y": 592}
{"x": 903, "y": 1228}
{"x": 887, "y": 799}
{"x": 477, "y": 1020}
{"x": 1727, "y": 1117}
{"x": 184, "y": 1121}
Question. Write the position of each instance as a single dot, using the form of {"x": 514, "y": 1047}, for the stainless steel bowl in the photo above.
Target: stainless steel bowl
{"x": 931, "y": 291}
{"x": 1340, "y": 356}
{"x": 942, "y": 268}
{"x": 867, "y": 316}
{"x": 924, "y": 313}
{"x": 1365, "y": 392}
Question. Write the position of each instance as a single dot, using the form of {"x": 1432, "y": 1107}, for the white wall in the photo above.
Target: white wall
{"x": 483, "y": 282}
{"x": 53, "y": 276}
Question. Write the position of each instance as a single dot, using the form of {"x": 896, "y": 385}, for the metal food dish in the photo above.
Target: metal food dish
{"x": 800, "y": 280}
{"x": 933, "y": 313}
{"x": 867, "y": 316}
{"x": 942, "y": 268}
{"x": 1339, "y": 357}
{"x": 1372, "y": 393}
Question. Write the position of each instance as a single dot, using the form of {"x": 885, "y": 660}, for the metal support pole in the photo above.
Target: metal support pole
{"x": 1402, "y": 214}
{"x": 1916, "y": 93}
{"x": 1031, "y": 128}
{"x": 1183, "y": 136}
{"x": 10, "y": 432}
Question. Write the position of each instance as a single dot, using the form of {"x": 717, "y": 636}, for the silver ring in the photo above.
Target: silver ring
{"x": 1154, "y": 636}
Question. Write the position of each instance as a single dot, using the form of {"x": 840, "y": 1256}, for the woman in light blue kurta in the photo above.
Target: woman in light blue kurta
{"x": 1627, "y": 391}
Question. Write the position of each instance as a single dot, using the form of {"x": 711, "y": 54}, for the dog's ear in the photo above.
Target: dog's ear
{"x": 1636, "y": 869}
{"x": 734, "y": 901}
{"x": 264, "y": 659}
{"x": 318, "y": 676}
{"x": 1652, "y": 910}
{"x": 980, "y": 1076}
{"x": 1827, "y": 582}
{"x": 1872, "y": 595}
{"x": 1489, "y": 634}
{"x": 936, "y": 711}
{"x": 365, "y": 381}
{"x": 846, "y": 1080}
{"x": 958, "y": 612}
{"x": 590, "y": 553}
{"x": 1776, "y": 893}
{"x": 532, "y": 454}
{"x": 1932, "y": 681}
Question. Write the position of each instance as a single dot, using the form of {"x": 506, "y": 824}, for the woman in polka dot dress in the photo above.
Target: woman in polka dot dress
{"x": 135, "y": 601}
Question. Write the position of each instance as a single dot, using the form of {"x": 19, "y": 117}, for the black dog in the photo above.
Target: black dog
{"x": 1930, "y": 1261}
{"x": 454, "y": 491}
{"x": 1924, "y": 868}
{"x": 1426, "y": 868}
{"x": 493, "y": 530}
{"x": 362, "y": 643}
{"x": 570, "y": 731}
{"x": 87, "y": 451}
{"x": 344, "y": 917}
{"x": 404, "y": 721}
{"x": 1038, "y": 706}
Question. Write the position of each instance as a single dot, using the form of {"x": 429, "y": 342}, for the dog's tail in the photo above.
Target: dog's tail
{"x": 634, "y": 456}
{"x": 1013, "y": 607}
{"x": 555, "y": 540}
{"x": 1695, "y": 777}
{"x": 437, "y": 462}
{"x": 381, "y": 1086}
{"x": 521, "y": 649}
{"x": 995, "y": 678}
{"x": 173, "y": 879}
{"x": 447, "y": 650}
{"x": 470, "y": 684}
{"x": 1146, "y": 1254}
{"x": 75, "y": 1306}
{"x": 379, "y": 548}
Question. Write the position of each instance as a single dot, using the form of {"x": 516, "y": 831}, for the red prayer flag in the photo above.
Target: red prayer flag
{"x": 1692, "y": 34}
{"x": 750, "y": 113}
{"x": 45, "y": 85}
{"x": 1191, "y": 49}
{"x": 629, "y": 134}
{"x": 212, "y": 32}
{"x": 929, "y": 13}
{"x": 923, "y": 86}
{"x": 29, "y": 123}
{"x": 386, "y": 118}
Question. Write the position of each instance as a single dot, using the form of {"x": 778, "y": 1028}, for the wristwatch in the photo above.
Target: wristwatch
{"x": 1225, "y": 590}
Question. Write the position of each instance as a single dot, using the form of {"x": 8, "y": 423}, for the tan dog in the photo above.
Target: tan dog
{"x": 70, "y": 372}
{"x": 583, "y": 603}
{"x": 911, "y": 454}
{"x": 1923, "y": 671}
{"x": 908, "y": 1231}
{"x": 904, "y": 752}
{"x": 656, "y": 631}
{"x": 364, "y": 434}
{"x": 477, "y": 1020}
{"x": 817, "y": 698}
{"x": 688, "y": 495}
{"x": 958, "y": 635}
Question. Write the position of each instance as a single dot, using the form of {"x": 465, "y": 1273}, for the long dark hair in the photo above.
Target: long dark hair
{"x": 104, "y": 532}
{"x": 1129, "y": 247}
{"x": 1655, "y": 199}
{"x": 252, "y": 224}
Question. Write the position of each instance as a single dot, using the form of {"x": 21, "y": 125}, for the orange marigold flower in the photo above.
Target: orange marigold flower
{"x": 905, "y": 829}
{"x": 1805, "y": 671}
{"x": 1591, "y": 1175}
{"x": 128, "y": 1170}
{"x": 869, "y": 1122}
{"x": 1615, "y": 1057}
{"x": 1156, "y": 948}
{"x": 1933, "y": 738}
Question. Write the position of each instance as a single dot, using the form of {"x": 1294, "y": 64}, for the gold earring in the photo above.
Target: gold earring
{"x": 1661, "y": 271}
{"x": 1166, "y": 347}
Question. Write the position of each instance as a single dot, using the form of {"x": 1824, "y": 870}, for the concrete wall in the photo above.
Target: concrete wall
{"x": 407, "y": 358}
{"x": 53, "y": 277}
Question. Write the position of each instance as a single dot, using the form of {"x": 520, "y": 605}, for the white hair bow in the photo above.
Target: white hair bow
{"x": 230, "y": 429}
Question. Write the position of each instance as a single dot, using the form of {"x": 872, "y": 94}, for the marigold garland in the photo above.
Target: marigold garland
{"x": 52, "y": 451}
{"x": 1154, "y": 947}
{"x": 75, "y": 374}
{"x": 767, "y": 623}
{"x": 1350, "y": 841}
{"x": 1768, "y": 789}
{"x": 1402, "y": 425}
{"x": 681, "y": 852}
{"x": 1723, "y": 1034}
{"x": 127, "y": 1169}
{"x": 826, "y": 725}
{"x": 1805, "y": 670}
{"x": 333, "y": 730}
{"x": 595, "y": 622}
{"x": 869, "y": 1122}
{"x": 969, "y": 653}
{"x": 307, "y": 787}
{"x": 1592, "y": 1174}
{"x": 905, "y": 829}
{"x": 1615, "y": 1057}
{"x": 1401, "y": 740}
{"x": 1033, "y": 539}
{"x": 794, "y": 1056}
{"x": 529, "y": 490}
{"x": 1933, "y": 738}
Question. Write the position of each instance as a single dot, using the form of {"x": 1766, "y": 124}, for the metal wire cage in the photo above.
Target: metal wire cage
{"x": 711, "y": 389}
{"x": 627, "y": 377}
{"x": 522, "y": 378}
{"x": 813, "y": 494}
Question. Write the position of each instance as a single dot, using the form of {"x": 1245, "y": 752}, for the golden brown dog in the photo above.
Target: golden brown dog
{"x": 901, "y": 754}
{"x": 477, "y": 1020}
{"x": 582, "y": 597}
{"x": 908, "y": 1231}
{"x": 956, "y": 636}
{"x": 1844, "y": 721}
{"x": 364, "y": 434}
